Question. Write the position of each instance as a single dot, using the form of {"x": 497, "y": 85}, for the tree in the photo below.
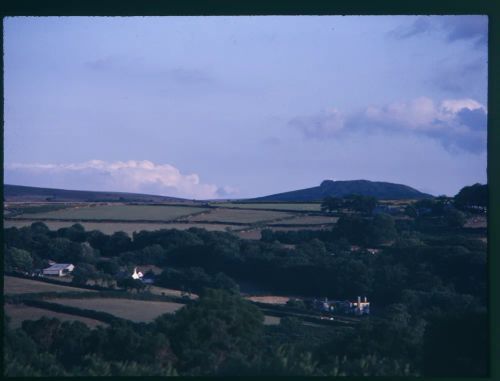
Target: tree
{"x": 119, "y": 242}
{"x": 153, "y": 254}
{"x": 331, "y": 204}
{"x": 381, "y": 230}
{"x": 97, "y": 239}
{"x": 76, "y": 233}
{"x": 455, "y": 218}
{"x": 18, "y": 260}
{"x": 218, "y": 326}
{"x": 224, "y": 282}
{"x": 130, "y": 284}
{"x": 39, "y": 228}
{"x": 360, "y": 203}
{"x": 110, "y": 267}
{"x": 457, "y": 346}
{"x": 83, "y": 272}
{"x": 472, "y": 197}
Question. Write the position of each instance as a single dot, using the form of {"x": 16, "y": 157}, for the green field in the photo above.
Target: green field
{"x": 239, "y": 215}
{"x": 119, "y": 213}
{"x": 306, "y": 220}
{"x": 300, "y": 207}
{"x": 13, "y": 285}
{"x": 127, "y": 227}
{"x": 130, "y": 309}
{"x": 20, "y": 312}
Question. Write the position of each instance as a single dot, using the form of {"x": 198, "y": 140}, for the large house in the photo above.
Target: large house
{"x": 359, "y": 307}
{"x": 59, "y": 269}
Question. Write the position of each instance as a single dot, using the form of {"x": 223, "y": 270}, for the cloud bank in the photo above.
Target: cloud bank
{"x": 472, "y": 27}
{"x": 125, "y": 176}
{"x": 458, "y": 124}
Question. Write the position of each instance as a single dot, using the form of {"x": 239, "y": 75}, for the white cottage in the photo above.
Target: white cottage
{"x": 137, "y": 275}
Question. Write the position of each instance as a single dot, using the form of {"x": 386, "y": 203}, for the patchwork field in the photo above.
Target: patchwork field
{"x": 135, "y": 310}
{"x": 119, "y": 212}
{"x": 307, "y": 220}
{"x": 271, "y": 320}
{"x": 292, "y": 228}
{"x": 169, "y": 292}
{"x": 270, "y": 299}
{"x": 301, "y": 207}
{"x": 14, "y": 285}
{"x": 19, "y": 313}
{"x": 127, "y": 227}
{"x": 239, "y": 215}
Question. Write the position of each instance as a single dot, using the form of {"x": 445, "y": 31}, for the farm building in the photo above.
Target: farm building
{"x": 59, "y": 269}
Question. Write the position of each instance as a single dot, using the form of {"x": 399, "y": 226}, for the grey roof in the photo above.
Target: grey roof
{"x": 59, "y": 266}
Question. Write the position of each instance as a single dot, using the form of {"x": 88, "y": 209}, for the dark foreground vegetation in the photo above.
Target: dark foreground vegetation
{"x": 426, "y": 282}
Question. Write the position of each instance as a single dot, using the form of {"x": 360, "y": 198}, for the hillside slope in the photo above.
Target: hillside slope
{"x": 378, "y": 189}
{"x": 25, "y": 193}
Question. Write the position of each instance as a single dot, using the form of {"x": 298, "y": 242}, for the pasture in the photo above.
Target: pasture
{"x": 269, "y": 299}
{"x": 306, "y": 220}
{"x": 245, "y": 216}
{"x": 127, "y": 227}
{"x": 300, "y": 207}
{"x": 119, "y": 212}
{"x": 20, "y": 312}
{"x": 13, "y": 285}
{"x": 130, "y": 309}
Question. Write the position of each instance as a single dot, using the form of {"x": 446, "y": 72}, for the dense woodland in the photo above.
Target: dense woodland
{"x": 427, "y": 287}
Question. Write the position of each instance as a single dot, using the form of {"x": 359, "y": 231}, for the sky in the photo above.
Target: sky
{"x": 235, "y": 107}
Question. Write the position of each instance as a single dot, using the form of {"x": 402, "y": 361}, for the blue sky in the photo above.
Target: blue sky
{"x": 229, "y": 107}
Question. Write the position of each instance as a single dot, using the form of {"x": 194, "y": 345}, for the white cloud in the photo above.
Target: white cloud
{"x": 458, "y": 124}
{"x": 129, "y": 176}
{"x": 423, "y": 114}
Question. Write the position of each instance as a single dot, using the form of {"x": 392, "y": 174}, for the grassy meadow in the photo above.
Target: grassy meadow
{"x": 120, "y": 212}
{"x": 239, "y": 216}
{"x": 130, "y": 309}
{"x": 306, "y": 220}
{"x": 129, "y": 218}
{"x": 14, "y": 285}
{"x": 20, "y": 312}
{"x": 300, "y": 207}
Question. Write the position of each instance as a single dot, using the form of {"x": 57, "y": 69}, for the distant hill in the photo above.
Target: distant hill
{"x": 34, "y": 194}
{"x": 378, "y": 189}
